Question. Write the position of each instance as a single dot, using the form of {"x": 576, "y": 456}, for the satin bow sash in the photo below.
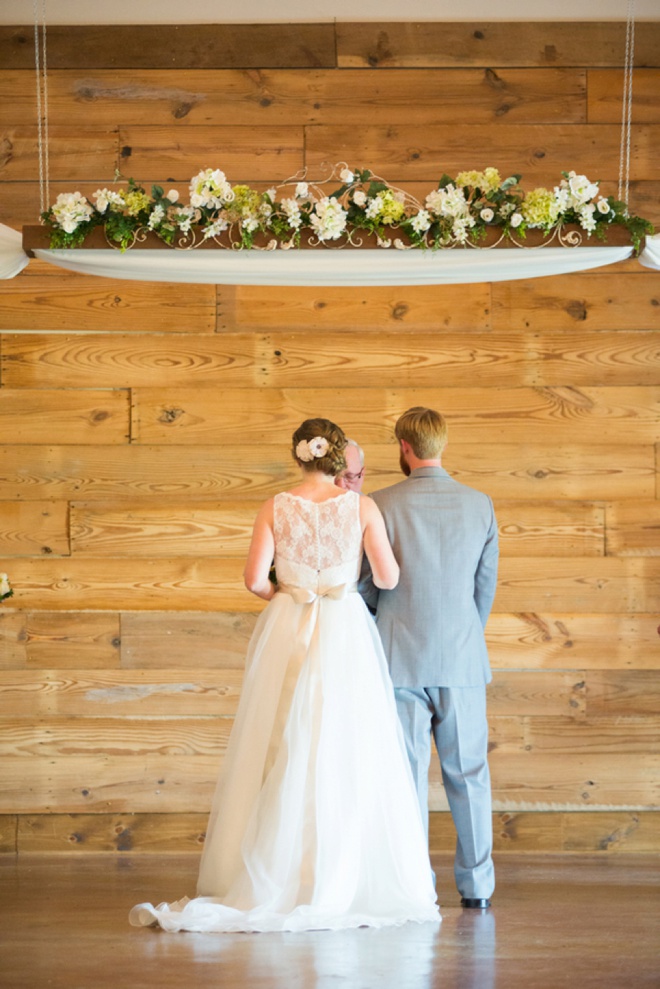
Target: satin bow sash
{"x": 305, "y": 595}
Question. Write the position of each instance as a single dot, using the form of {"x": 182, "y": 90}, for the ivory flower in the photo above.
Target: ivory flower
{"x": 157, "y": 216}
{"x": 106, "y": 197}
{"x": 70, "y": 210}
{"x": 184, "y": 218}
{"x": 308, "y": 450}
{"x": 581, "y": 188}
{"x": 215, "y": 228}
{"x": 292, "y": 213}
{"x": 328, "y": 219}
{"x": 210, "y": 189}
{"x": 318, "y": 446}
{"x": 487, "y": 214}
{"x": 302, "y": 190}
{"x": 421, "y": 221}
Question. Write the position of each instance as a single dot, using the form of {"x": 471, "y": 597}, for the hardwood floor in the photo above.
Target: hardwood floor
{"x": 589, "y": 922}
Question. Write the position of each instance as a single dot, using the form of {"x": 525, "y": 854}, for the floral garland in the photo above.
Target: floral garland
{"x": 460, "y": 212}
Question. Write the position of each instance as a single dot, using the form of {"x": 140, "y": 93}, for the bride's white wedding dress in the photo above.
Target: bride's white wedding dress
{"x": 315, "y": 823}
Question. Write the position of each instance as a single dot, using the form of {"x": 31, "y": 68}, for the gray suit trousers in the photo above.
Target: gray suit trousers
{"x": 456, "y": 717}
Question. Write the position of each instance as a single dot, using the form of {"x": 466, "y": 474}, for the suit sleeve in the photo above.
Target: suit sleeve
{"x": 366, "y": 587}
{"x": 485, "y": 578}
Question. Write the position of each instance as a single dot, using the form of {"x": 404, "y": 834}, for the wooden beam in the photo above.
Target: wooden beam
{"x": 180, "y": 46}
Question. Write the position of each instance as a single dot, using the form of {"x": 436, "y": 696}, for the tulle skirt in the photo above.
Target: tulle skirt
{"x": 315, "y": 823}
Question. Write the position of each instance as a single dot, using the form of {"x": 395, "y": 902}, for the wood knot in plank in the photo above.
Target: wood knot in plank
{"x": 170, "y": 415}
{"x": 577, "y": 310}
{"x": 537, "y": 624}
{"x": 6, "y": 151}
{"x": 493, "y": 80}
{"x": 383, "y": 52}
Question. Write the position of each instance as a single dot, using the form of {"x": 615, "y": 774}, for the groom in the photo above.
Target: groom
{"x": 444, "y": 536}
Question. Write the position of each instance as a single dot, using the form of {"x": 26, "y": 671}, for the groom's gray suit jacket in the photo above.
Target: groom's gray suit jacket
{"x": 444, "y": 536}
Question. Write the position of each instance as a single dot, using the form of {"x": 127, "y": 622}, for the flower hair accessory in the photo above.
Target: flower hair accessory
{"x": 308, "y": 450}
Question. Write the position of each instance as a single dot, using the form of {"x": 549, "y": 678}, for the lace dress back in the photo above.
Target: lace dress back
{"x": 315, "y": 821}
{"x": 317, "y": 545}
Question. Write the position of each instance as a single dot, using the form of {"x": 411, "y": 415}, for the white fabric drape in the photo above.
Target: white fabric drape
{"x": 324, "y": 267}
{"x": 650, "y": 256}
{"x": 12, "y": 256}
{"x": 335, "y": 267}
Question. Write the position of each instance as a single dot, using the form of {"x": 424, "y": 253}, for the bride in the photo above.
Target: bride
{"x": 315, "y": 823}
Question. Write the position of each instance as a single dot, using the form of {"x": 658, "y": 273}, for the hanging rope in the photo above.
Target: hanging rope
{"x": 626, "y": 114}
{"x": 41, "y": 74}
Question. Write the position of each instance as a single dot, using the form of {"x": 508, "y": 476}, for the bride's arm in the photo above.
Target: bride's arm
{"x": 384, "y": 568}
{"x": 260, "y": 554}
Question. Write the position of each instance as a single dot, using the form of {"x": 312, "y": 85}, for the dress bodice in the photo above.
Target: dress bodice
{"x": 317, "y": 544}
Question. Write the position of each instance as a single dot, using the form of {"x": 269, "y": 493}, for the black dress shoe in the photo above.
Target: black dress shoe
{"x": 473, "y": 904}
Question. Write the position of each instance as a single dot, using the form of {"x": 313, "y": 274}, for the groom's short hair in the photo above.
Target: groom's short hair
{"x": 425, "y": 430}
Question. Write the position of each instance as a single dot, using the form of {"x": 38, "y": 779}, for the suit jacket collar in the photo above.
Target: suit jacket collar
{"x": 427, "y": 472}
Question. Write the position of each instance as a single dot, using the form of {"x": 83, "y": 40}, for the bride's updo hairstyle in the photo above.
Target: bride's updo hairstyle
{"x": 319, "y": 444}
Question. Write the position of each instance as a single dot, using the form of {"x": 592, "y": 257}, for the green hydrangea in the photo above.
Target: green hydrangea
{"x": 136, "y": 202}
{"x": 246, "y": 200}
{"x": 391, "y": 211}
{"x": 487, "y": 181}
{"x": 540, "y": 208}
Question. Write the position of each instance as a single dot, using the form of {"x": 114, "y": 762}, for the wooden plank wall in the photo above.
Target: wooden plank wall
{"x": 143, "y": 423}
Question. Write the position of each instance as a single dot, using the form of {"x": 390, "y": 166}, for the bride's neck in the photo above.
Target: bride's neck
{"x": 314, "y": 479}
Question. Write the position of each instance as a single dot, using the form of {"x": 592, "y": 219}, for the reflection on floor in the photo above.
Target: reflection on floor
{"x": 588, "y": 922}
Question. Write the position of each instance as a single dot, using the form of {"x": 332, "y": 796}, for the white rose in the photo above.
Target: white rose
{"x": 603, "y": 206}
{"x": 516, "y": 220}
{"x": 101, "y": 200}
{"x": 581, "y": 188}
{"x": 346, "y": 176}
{"x": 487, "y": 215}
{"x": 359, "y": 197}
{"x": 302, "y": 190}
{"x": 172, "y": 195}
